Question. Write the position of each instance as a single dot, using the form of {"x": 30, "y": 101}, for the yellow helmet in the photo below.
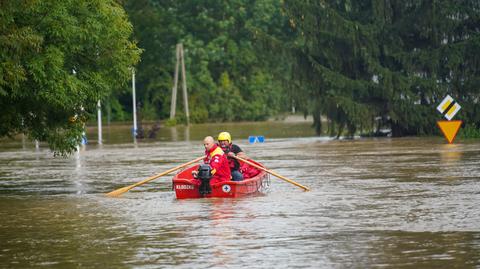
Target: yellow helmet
{"x": 224, "y": 136}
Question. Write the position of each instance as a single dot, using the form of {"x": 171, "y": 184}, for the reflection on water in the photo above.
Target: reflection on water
{"x": 450, "y": 154}
{"x": 409, "y": 202}
{"x": 174, "y": 133}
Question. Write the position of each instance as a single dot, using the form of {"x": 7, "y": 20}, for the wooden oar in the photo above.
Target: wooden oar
{"x": 271, "y": 172}
{"x": 123, "y": 190}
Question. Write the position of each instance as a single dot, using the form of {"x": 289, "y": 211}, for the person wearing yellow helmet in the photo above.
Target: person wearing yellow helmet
{"x": 225, "y": 142}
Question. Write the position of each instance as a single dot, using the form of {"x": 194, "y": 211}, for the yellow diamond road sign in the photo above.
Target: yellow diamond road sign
{"x": 448, "y": 107}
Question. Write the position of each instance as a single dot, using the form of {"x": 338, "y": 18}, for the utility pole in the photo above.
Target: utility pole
{"x": 184, "y": 86}
{"x": 173, "y": 104}
{"x": 99, "y": 116}
{"x": 134, "y": 131}
{"x": 179, "y": 59}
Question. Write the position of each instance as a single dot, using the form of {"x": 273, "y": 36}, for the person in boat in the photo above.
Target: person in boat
{"x": 217, "y": 159}
{"x": 225, "y": 142}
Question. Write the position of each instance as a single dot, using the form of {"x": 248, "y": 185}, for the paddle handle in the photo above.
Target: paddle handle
{"x": 271, "y": 172}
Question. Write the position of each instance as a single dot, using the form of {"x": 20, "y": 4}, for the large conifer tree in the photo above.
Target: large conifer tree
{"x": 393, "y": 60}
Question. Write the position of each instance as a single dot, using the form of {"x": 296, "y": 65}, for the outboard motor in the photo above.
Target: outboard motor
{"x": 205, "y": 174}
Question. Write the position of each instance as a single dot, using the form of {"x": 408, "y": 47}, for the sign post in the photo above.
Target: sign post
{"x": 449, "y": 108}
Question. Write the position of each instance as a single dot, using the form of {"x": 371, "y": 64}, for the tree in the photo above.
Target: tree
{"x": 57, "y": 58}
{"x": 394, "y": 60}
{"x": 228, "y": 78}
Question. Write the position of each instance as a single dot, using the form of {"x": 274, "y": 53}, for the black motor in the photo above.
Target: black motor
{"x": 205, "y": 174}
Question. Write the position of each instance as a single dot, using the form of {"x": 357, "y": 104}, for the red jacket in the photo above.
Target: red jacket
{"x": 217, "y": 159}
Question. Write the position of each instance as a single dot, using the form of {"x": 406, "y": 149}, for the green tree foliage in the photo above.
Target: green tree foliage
{"x": 393, "y": 60}
{"x": 57, "y": 58}
{"x": 228, "y": 76}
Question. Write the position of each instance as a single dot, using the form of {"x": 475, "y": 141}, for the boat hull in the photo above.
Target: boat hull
{"x": 185, "y": 187}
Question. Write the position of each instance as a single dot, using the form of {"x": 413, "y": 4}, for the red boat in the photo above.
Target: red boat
{"x": 255, "y": 182}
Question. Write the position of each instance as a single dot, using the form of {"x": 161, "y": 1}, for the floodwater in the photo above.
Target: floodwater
{"x": 393, "y": 203}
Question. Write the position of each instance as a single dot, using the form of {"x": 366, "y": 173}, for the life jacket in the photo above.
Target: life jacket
{"x": 217, "y": 160}
{"x": 248, "y": 171}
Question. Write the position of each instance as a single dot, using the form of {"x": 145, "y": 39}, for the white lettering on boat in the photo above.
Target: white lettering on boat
{"x": 185, "y": 187}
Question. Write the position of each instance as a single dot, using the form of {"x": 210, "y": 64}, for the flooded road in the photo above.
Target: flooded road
{"x": 395, "y": 203}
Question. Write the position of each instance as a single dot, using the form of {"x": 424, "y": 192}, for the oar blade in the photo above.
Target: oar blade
{"x": 118, "y": 192}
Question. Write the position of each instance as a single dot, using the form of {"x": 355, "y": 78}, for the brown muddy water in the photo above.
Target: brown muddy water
{"x": 392, "y": 203}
